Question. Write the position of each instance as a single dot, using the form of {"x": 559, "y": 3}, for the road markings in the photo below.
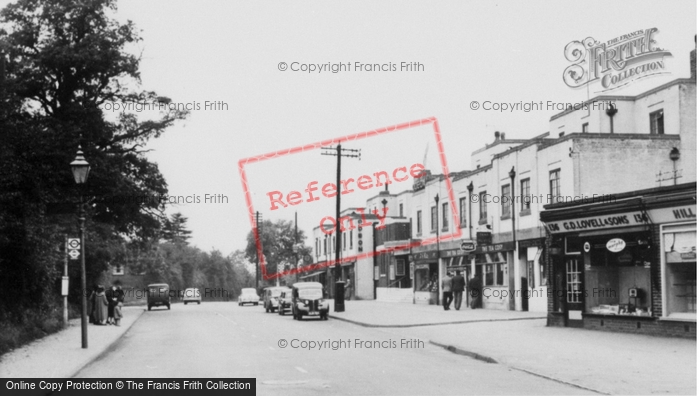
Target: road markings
{"x": 227, "y": 318}
{"x": 301, "y": 369}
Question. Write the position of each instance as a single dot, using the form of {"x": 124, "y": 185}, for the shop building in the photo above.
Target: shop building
{"x": 628, "y": 265}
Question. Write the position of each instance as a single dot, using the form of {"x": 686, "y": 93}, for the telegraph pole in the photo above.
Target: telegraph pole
{"x": 258, "y": 227}
{"x": 339, "y": 283}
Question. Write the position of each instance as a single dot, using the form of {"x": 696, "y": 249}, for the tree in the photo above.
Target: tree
{"x": 175, "y": 229}
{"x": 64, "y": 61}
{"x": 277, "y": 240}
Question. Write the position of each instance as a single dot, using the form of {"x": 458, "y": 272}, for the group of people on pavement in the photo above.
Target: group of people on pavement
{"x": 453, "y": 286}
{"x": 106, "y": 306}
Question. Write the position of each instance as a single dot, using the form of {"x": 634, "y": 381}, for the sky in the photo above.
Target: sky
{"x": 231, "y": 52}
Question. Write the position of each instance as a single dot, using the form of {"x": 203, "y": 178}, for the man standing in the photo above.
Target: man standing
{"x": 475, "y": 291}
{"x": 447, "y": 291}
{"x": 458, "y": 285}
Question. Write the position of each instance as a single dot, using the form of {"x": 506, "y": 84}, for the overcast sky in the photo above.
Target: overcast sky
{"x": 230, "y": 51}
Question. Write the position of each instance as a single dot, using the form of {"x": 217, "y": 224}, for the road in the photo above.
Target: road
{"x": 223, "y": 340}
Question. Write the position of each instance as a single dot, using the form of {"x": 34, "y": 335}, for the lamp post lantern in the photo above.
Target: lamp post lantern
{"x": 81, "y": 168}
{"x": 674, "y": 155}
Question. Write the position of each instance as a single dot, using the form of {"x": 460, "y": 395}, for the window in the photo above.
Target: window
{"x": 445, "y": 222}
{"x": 488, "y": 275}
{"x": 117, "y": 269}
{"x": 350, "y": 239}
{"x": 433, "y": 219}
{"x": 463, "y": 212}
{"x": 505, "y": 200}
{"x": 419, "y": 222}
{"x": 482, "y": 206}
{"x": 680, "y": 272}
{"x": 500, "y": 274}
{"x": 345, "y": 247}
{"x": 554, "y": 186}
{"x": 400, "y": 267}
{"x": 525, "y": 194}
{"x": 325, "y": 246}
{"x": 584, "y": 128}
{"x": 316, "y": 246}
{"x": 573, "y": 281}
{"x": 400, "y": 210}
{"x": 656, "y": 120}
{"x": 333, "y": 244}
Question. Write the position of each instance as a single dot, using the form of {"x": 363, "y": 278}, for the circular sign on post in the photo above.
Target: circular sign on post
{"x": 74, "y": 243}
{"x": 616, "y": 245}
{"x": 586, "y": 247}
{"x": 74, "y": 254}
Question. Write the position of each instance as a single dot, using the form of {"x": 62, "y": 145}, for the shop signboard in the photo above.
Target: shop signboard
{"x": 628, "y": 219}
{"x": 483, "y": 238}
{"x": 616, "y": 245}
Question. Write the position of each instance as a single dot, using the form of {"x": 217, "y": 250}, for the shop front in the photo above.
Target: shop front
{"x": 491, "y": 267}
{"x": 425, "y": 277}
{"x": 533, "y": 279}
{"x": 628, "y": 265}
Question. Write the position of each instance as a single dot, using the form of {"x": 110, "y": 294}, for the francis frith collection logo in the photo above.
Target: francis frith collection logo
{"x": 614, "y": 63}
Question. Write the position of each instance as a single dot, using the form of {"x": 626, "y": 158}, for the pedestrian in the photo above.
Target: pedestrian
{"x": 100, "y": 306}
{"x": 458, "y": 285}
{"x": 91, "y": 304}
{"x": 447, "y": 291}
{"x": 118, "y": 308}
{"x": 111, "y": 295}
{"x": 475, "y": 291}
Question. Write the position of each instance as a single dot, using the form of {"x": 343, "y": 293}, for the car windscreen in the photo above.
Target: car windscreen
{"x": 310, "y": 293}
{"x": 276, "y": 293}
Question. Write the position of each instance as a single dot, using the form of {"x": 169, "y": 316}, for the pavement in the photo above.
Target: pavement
{"x": 60, "y": 355}
{"x": 599, "y": 361}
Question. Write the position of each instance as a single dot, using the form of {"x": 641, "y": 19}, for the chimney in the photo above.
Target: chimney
{"x": 503, "y": 136}
{"x": 498, "y": 135}
{"x": 693, "y": 60}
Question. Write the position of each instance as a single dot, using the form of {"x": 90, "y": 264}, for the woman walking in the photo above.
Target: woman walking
{"x": 100, "y": 306}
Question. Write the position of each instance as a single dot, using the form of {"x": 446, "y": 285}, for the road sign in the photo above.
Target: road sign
{"x": 468, "y": 246}
{"x": 73, "y": 243}
{"x": 73, "y": 254}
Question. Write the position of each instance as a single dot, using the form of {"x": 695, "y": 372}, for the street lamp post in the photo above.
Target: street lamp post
{"x": 81, "y": 168}
{"x": 511, "y": 271}
{"x": 437, "y": 230}
{"x": 470, "y": 188}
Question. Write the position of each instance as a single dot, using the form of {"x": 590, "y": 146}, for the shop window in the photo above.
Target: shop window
{"x": 618, "y": 281}
{"x": 680, "y": 273}
{"x": 500, "y": 274}
{"x": 426, "y": 280}
{"x": 543, "y": 272}
{"x": 656, "y": 121}
{"x": 488, "y": 275}
{"x": 463, "y": 212}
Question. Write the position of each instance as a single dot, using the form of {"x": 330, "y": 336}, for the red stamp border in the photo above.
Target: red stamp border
{"x": 313, "y": 146}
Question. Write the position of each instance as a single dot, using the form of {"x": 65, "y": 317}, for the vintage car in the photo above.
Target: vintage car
{"x": 192, "y": 295}
{"x": 271, "y": 297}
{"x": 158, "y": 295}
{"x": 285, "y": 302}
{"x": 248, "y": 296}
{"x": 307, "y": 300}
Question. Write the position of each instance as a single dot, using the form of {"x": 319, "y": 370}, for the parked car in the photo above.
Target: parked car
{"x": 271, "y": 297}
{"x": 158, "y": 295}
{"x": 248, "y": 296}
{"x": 192, "y": 295}
{"x": 307, "y": 299}
{"x": 285, "y": 302}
